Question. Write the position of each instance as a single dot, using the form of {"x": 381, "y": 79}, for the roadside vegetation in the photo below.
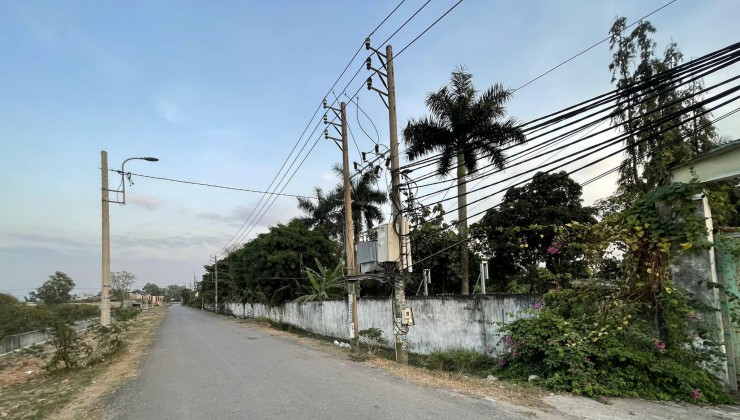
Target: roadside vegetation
{"x": 68, "y": 376}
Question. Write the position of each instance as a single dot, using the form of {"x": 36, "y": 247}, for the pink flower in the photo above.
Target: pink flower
{"x": 514, "y": 354}
{"x": 551, "y": 250}
{"x": 603, "y": 400}
{"x": 659, "y": 345}
{"x": 696, "y": 394}
{"x": 537, "y": 306}
{"x": 586, "y": 360}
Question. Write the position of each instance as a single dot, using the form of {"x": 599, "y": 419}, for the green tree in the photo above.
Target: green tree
{"x": 152, "y": 289}
{"x": 323, "y": 211}
{"x": 56, "y": 290}
{"x": 121, "y": 282}
{"x": 523, "y": 232}
{"x": 270, "y": 268}
{"x": 464, "y": 128}
{"x": 434, "y": 246}
{"x": 653, "y": 146}
{"x": 324, "y": 283}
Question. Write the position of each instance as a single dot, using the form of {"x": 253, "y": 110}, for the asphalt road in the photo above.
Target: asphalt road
{"x": 202, "y": 366}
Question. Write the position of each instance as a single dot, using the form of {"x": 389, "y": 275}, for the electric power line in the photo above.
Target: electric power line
{"x": 203, "y": 184}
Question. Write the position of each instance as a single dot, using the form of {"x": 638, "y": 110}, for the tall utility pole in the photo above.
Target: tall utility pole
{"x": 349, "y": 229}
{"x": 399, "y": 285}
{"x": 400, "y": 328}
{"x": 215, "y": 274}
{"x": 349, "y": 241}
{"x": 105, "y": 289}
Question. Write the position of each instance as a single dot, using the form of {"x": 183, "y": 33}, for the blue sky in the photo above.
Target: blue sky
{"x": 221, "y": 91}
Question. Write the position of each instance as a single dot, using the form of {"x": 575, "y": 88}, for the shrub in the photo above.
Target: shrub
{"x": 108, "y": 341}
{"x": 373, "y": 338}
{"x": 590, "y": 342}
{"x": 125, "y": 313}
{"x": 70, "y": 349}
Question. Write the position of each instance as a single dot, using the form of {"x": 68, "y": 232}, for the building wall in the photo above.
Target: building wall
{"x": 441, "y": 322}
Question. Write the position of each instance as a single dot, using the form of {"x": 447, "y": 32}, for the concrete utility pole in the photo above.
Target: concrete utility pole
{"x": 400, "y": 326}
{"x": 483, "y": 276}
{"x": 105, "y": 287}
{"x": 215, "y": 273}
{"x": 348, "y": 221}
{"x": 349, "y": 242}
{"x": 399, "y": 285}
{"x": 349, "y": 228}
{"x": 427, "y": 279}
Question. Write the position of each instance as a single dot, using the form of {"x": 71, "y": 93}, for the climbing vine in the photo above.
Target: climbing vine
{"x": 637, "y": 334}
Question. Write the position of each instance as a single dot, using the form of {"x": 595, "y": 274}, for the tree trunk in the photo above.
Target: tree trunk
{"x": 462, "y": 226}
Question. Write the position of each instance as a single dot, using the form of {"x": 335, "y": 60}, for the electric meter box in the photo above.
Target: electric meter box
{"x": 388, "y": 250}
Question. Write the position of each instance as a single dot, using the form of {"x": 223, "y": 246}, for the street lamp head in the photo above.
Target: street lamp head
{"x": 151, "y": 159}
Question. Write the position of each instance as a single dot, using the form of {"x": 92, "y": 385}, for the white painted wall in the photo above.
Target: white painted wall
{"x": 442, "y": 322}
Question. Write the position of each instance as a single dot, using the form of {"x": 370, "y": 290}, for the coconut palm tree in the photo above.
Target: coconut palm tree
{"x": 323, "y": 211}
{"x": 366, "y": 200}
{"x": 463, "y": 129}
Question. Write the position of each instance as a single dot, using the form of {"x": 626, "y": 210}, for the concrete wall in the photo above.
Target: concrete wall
{"x": 28, "y": 339}
{"x": 442, "y": 322}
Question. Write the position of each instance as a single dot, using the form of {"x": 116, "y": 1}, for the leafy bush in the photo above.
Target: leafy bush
{"x": 373, "y": 338}
{"x": 125, "y": 313}
{"x": 590, "y": 342}
{"x": 70, "y": 349}
{"x": 107, "y": 341}
{"x": 458, "y": 361}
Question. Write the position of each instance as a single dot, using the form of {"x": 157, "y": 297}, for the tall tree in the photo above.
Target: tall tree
{"x": 323, "y": 211}
{"x": 152, "y": 289}
{"x": 55, "y": 290}
{"x": 652, "y": 146}
{"x": 464, "y": 128}
{"x": 121, "y": 282}
{"x": 270, "y": 268}
{"x": 513, "y": 244}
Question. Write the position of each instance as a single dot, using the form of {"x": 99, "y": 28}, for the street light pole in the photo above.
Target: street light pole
{"x": 105, "y": 287}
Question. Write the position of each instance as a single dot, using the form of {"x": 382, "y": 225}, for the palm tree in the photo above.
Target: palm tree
{"x": 463, "y": 128}
{"x": 323, "y": 212}
{"x": 366, "y": 200}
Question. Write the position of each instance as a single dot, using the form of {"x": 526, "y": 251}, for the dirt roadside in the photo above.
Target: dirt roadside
{"x": 71, "y": 394}
{"x": 529, "y": 400}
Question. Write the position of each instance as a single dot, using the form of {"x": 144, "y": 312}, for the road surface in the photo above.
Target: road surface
{"x": 205, "y": 367}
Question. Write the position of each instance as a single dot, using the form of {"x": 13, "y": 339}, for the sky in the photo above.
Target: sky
{"x": 221, "y": 92}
